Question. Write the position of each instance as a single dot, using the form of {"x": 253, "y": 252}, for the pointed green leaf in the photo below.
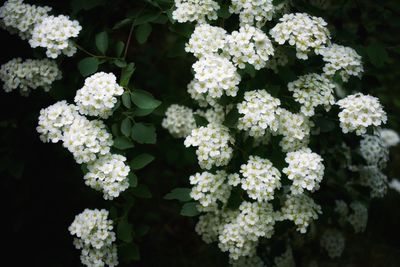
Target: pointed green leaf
{"x": 141, "y": 161}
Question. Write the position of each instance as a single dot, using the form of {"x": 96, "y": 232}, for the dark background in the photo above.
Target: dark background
{"x": 44, "y": 188}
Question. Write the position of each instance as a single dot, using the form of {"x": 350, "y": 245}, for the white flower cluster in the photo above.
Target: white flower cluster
{"x": 374, "y": 150}
{"x": 29, "y": 75}
{"x": 300, "y": 209}
{"x": 305, "y": 32}
{"x": 240, "y": 236}
{"x": 216, "y": 114}
{"x": 253, "y": 12}
{"x": 389, "y": 137}
{"x": 249, "y": 45}
{"x": 295, "y": 129}
{"x": 109, "y": 175}
{"x": 344, "y": 60}
{"x": 305, "y": 169}
{"x": 95, "y": 237}
{"x": 312, "y": 90}
{"x": 259, "y": 111}
{"x": 18, "y": 17}
{"x": 260, "y": 178}
{"x": 213, "y": 143}
{"x": 195, "y": 10}
{"x": 54, "y": 34}
{"x": 342, "y": 209}
{"x": 286, "y": 259}
{"x": 54, "y": 119}
{"x": 206, "y": 40}
{"x": 278, "y": 60}
{"x": 98, "y": 95}
{"x": 359, "y": 218}
{"x": 87, "y": 140}
{"x": 360, "y": 111}
{"x": 210, "y": 188}
{"x": 372, "y": 177}
{"x": 179, "y": 121}
{"x": 214, "y": 76}
{"x": 333, "y": 242}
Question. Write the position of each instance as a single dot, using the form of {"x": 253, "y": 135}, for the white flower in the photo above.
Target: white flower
{"x": 213, "y": 145}
{"x": 359, "y": 112}
{"x": 253, "y": 12}
{"x": 374, "y": 150}
{"x": 215, "y": 114}
{"x": 389, "y": 137}
{"x": 18, "y": 17}
{"x": 54, "y": 119}
{"x": 372, "y": 177}
{"x": 54, "y": 34}
{"x": 359, "y": 218}
{"x": 344, "y": 60}
{"x": 395, "y": 185}
{"x": 209, "y": 188}
{"x": 98, "y": 96}
{"x": 179, "y": 121}
{"x": 195, "y": 10}
{"x": 260, "y": 112}
{"x": 108, "y": 174}
{"x": 261, "y": 178}
{"x": 249, "y": 45}
{"x": 342, "y": 210}
{"x": 300, "y": 209}
{"x": 333, "y": 242}
{"x": 87, "y": 140}
{"x": 312, "y": 90}
{"x": 206, "y": 40}
{"x": 305, "y": 32}
{"x": 305, "y": 169}
{"x": 95, "y": 236}
{"x": 279, "y": 59}
{"x": 214, "y": 76}
{"x": 29, "y": 75}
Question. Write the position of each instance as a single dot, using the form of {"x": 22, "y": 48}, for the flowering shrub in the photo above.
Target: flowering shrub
{"x": 270, "y": 134}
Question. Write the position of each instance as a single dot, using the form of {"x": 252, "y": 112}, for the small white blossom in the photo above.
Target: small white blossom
{"x": 87, "y": 140}
{"x": 305, "y": 32}
{"x": 54, "y": 34}
{"x": 372, "y": 177}
{"x": 305, "y": 169}
{"x": 359, "y": 112}
{"x": 343, "y": 60}
{"x": 213, "y": 142}
{"x": 359, "y": 218}
{"x": 179, "y": 121}
{"x": 300, "y": 209}
{"x": 256, "y": 12}
{"x": 312, "y": 90}
{"x": 206, "y": 40}
{"x": 215, "y": 114}
{"x": 389, "y": 137}
{"x": 18, "y": 17}
{"x": 95, "y": 237}
{"x": 395, "y": 185}
{"x": 260, "y": 178}
{"x": 29, "y": 75}
{"x": 259, "y": 111}
{"x": 195, "y": 10}
{"x": 374, "y": 150}
{"x": 249, "y": 45}
{"x": 54, "y": 119}
{"x": 108, "y": 174}
{"x": 333, "y": 242}
{"x": 98, "y": 95}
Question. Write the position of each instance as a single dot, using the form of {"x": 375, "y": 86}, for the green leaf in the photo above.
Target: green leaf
{"x": 119, "y": 48}
{"x": 142, "y": 33}
{"x": 146, "y": 16}
{"x": 144, "y": 100}
{"x": 127, "y": 74}
{"x": 200, "y": 120}
{"x": 122, "y": 23}
{"x": 278, "y": 2}
{"x": 78, "y": 5}
{"x": 142, "y": 112}
{"x": 231, "y": 118}
{"x": 189, "y": 209}
{"x": 142, "y": 230}
{"x": 141, "y": 161}
{"x": 120, "y": 63}
{"x": 129, "y": 252}
{"x": 144, "y": 134}
{"x": 133, "y": 180}
{"x": 141, "y": 191}
{"x": 325, "y": 124}
{"x": 102, "y": 42}
{"x": 124, "y": 231}
{"x": 123, "y": 143}
{"x": 126, "y": 100}
{"x": 223, "y": 12}
{"x": 126, "y": 127}
{"x": 181, "y": 194}
{"x": 88, "y": 66}
{"x": 377, "y": 55}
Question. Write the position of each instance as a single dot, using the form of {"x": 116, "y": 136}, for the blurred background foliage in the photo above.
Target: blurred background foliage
{"x": 43, "y": 185}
